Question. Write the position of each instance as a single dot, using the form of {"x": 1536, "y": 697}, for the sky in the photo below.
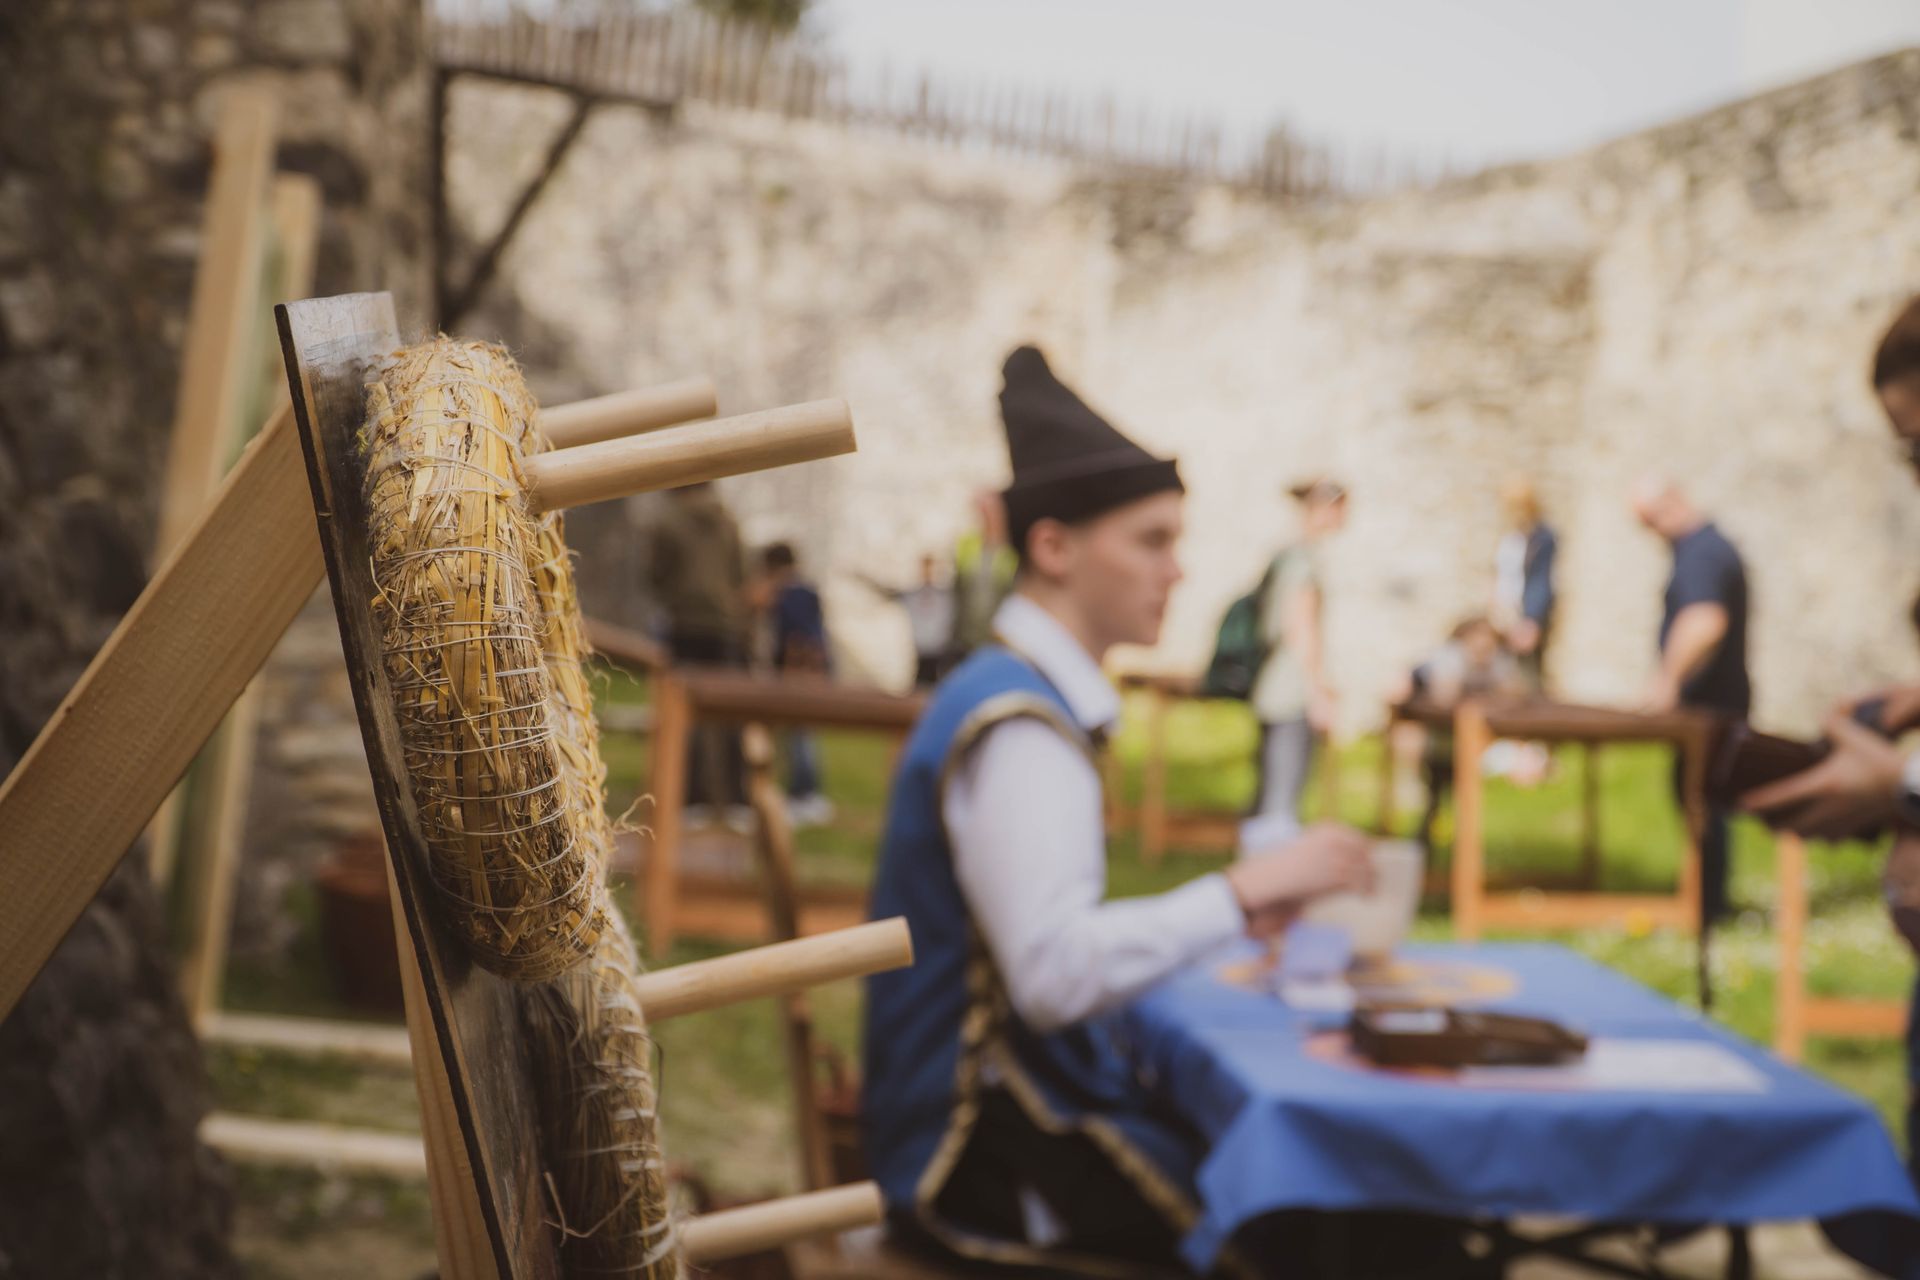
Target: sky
{"x": 1460, "y": 82}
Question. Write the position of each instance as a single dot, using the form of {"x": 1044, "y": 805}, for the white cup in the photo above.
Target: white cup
{"x": 1378, "y": 922}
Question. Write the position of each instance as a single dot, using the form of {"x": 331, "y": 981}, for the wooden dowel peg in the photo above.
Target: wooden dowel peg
{"x": 705, "y": 451}
{"x": 775, "y": 970}
{"x": 730, "y": 1233}
{"x": 626, "y": 413}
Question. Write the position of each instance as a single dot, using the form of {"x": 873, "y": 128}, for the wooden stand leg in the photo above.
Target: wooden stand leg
{"x": 203, "y": 965}
{"x": 1590, "y": 816}
{"x": 1329, "y": 779}
{"x": 1153, "y": 782}
{"x": 1471, "y": 737}
{"x": 1693, "y": 809}
{"x": 1790, "y": 985}
{"x": 1112, "y": 784}
{"x": 669, "y": 779}
{"x": 775, "y": 847}
{"x": 459, "y": 1226}
{"x": 1384, "y": 814}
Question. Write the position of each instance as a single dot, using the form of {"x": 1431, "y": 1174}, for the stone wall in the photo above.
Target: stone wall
{"x": 1701, "y": 298}
{"x": 103, "y": 167}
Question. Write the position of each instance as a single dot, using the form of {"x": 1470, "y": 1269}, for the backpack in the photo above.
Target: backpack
{"x": 1239, "y": 648}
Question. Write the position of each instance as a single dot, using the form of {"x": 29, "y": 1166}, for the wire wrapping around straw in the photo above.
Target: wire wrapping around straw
{"x": 482, "y": 642}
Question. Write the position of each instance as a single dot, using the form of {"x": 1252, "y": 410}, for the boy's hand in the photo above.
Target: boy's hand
{"x": 1325, "y": 858}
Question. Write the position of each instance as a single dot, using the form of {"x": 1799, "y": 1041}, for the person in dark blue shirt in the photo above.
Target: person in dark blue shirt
{"x": 799, "y": 627}
{"x": 1703, "y": 645}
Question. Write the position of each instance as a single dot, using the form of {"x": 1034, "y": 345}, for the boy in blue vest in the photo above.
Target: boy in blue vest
{"x": 1003, "y": 1118}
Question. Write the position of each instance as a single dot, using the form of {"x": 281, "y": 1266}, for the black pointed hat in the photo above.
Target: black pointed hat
{"x": 1069, "y": 463}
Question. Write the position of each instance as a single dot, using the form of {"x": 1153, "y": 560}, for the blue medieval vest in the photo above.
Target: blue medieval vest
{"x": 940, "y": 1031}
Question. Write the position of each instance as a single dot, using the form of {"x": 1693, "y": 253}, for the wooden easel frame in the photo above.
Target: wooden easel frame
{"x": 199, "y": 632}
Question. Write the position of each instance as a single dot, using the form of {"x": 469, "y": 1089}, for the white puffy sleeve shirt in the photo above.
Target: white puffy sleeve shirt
{"x": 1023, "y": 810}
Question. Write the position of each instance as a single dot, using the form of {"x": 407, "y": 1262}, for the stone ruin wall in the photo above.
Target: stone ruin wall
{"x": 104, "y": 156}
{"x": 1701, "y": 298}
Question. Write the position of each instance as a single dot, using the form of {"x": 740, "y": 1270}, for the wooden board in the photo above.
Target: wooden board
{"x": 224, "y": 773}
{"x": 332, "y": 346}
{"x": 148, "y": 701}
{"x": 216, "y": 376}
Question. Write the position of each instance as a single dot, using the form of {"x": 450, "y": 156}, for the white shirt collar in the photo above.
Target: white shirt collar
{"x": 1043, "y": 640}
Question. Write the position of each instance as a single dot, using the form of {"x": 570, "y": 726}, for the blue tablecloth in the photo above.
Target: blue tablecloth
{"x": 1290, "y": 1131}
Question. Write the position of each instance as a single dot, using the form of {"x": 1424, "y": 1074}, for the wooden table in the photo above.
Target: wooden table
{"x": 1797, "y": 1014}
{"x": 1475, "y": 725}
{"x": 671, "y": 902}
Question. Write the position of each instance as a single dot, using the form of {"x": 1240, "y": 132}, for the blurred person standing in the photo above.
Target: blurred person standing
{"x": 1867, "y": 784}
{"x": 1703, "y": 645}
{"x": 797, "y": 624}
{"x": 1292, "y": 698}
{"x": 930, "y": 618}
{"x": 697, "y": 571}
{"x": 1523, "y": 587}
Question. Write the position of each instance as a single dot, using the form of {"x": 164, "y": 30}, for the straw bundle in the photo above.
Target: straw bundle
{"x": 462, "y": 634}
{"x": 592, "y": 1054}
{"x": 482, "y": 640}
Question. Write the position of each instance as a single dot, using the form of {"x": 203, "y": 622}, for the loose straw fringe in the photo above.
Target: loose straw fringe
{"x": 483, "y": 642}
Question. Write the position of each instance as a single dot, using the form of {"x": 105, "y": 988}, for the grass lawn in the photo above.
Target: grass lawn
{"x": 723, "y": 1085}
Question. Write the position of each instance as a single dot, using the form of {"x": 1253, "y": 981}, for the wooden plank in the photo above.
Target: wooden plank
{"x": 1790, "y": 926}
{"x": 672, "y": 731}
{"x": 1471, "y": 737}
{"x": 1856, "y": 1016}
{"x": 371, "y": 1042}
{"x": 148, "y": 701}
{"x": 263, "y": 1140}
{"x": 624, "y": 645}
{"x": 460, "y": 1236}
{"x": 216, "y": 369}
{"x": 1590, "y": 815}
{"x": 215, "y": 372}
{"x": 1531, "y": 908}
{"x": 739, "y": 697}
{"x": 225, "y": 768}
{"x": 1153, "y": 781}
{"x": 212, "y": 845}
{"x": 774, "y": 843}
{"x": 332, "y": 346}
